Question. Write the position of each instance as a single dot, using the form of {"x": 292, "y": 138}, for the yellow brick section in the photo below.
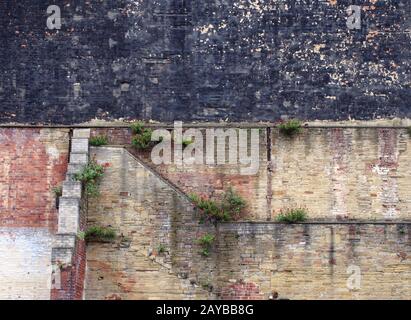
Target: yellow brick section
{"x": 313, "y": 261}
{"x": 147, "y": 212}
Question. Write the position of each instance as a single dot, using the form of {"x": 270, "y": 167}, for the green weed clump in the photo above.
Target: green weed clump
{"x": 294, "y": 215}
{"x": 58, "y": 191}
{"x": 290, "y": 127}
{"x": 142, "y": 137}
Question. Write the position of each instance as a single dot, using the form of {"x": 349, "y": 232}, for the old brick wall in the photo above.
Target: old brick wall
{"x": 69, "y": 248}
{"x": 203, "y": 60}
{"x": 32, "y": 162}
{"x": 146, "y": 212}
{"x": 25, "y": 269}
{"x": 342, "y": 173}
{"x": 336, "y": 173}
{"x": 248, "y": 260}
{"x": 312, "y": 261}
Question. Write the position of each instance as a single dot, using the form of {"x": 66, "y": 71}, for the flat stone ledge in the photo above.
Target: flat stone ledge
{"x": 74, "y": 168}
{"x": 64, "y": 241}
{"x": 81, "y": 133}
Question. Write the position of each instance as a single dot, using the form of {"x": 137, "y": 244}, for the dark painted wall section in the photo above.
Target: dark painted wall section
{"x": 204, "y": 60}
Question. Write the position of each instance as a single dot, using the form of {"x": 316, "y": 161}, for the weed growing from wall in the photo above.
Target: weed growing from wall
{"x": 142, "y": 137}
{"x": 90, "y": 177}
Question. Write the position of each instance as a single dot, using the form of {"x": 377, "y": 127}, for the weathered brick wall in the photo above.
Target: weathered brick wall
{"x": 312, "y": 261}
{"x": 146, "y": 212}
{"x": 203, "y": 60}
{"x": 71, "y": 277}
{"x": 247, "y": 261}
{"x": 336, "y": 173}
{"x": 32, "y": 162}
{"x": 25, "y": 266}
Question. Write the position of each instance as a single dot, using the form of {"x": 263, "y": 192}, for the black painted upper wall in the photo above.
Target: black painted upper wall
{"x": 204, "y": 60}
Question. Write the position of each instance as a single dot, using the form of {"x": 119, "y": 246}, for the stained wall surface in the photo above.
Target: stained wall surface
{"x": 146, "y": 214}
{"x": 204, "y": 60}
{"x": 32, "y": 162}
{"x": 336, "y": 173}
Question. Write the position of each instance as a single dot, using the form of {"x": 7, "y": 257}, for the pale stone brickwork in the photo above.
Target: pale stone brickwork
{"x": 248, "y": 260}
{"x": 68, "y": 253}
{"x": 317, "y": 261}
{"x": 146, "y": 213}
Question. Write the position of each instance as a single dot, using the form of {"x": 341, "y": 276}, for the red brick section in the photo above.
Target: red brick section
{"x": 242, "y": 291}
{"x": 72, "y": 277}
{"x": 31, "y": 164}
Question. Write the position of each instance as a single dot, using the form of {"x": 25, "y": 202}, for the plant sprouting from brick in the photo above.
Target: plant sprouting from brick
{"x": 206, "y": 242}
{"x": 292, "y": 215}
{"x": 409, "y": 131}
{"x": 142, "y": 141}
{"x": 228, "y": 208}
{"x": 98, "y": 141}
{"x": 207, "y": 285}
{"x": 137, "y": 127}
{"x": 90, "y": 176}
{"x": 233, "y": 203}
{"x": 58, "y": 191}
{"x": 161, "y": 248}
{"x": 100, "y": 234}
{"x": 290, "y": 128}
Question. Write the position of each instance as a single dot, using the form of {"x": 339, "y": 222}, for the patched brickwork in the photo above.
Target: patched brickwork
{"x": 241, "y": 291}
{"x": 204, "y": 60}
{"x": 336, "y": 173}
{"x": 32, "y": 162}
{"x": 72, "y": 276}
